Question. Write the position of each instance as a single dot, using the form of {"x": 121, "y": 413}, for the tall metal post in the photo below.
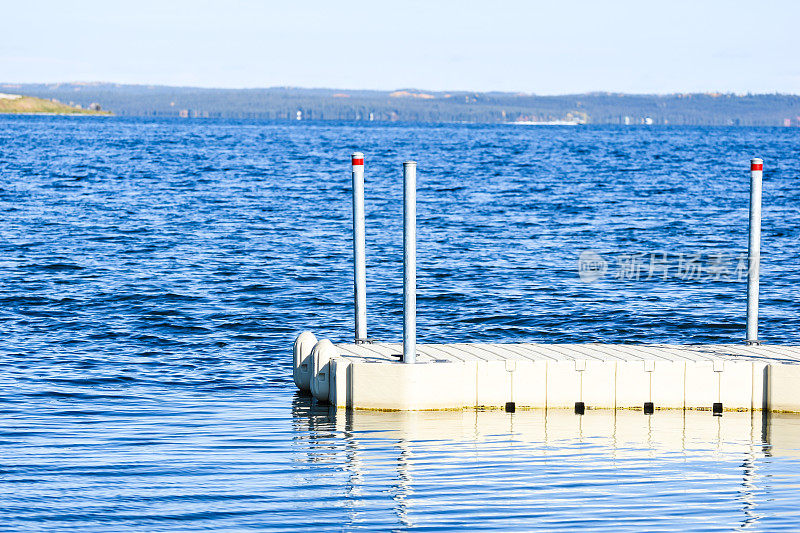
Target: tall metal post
{"x": 359, "y": 252}
{"x": 409, "y": 262}
{"x": 754, "y": 250}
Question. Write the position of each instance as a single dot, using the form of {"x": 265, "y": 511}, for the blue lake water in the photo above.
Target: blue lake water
{"x": 154, "y": 274}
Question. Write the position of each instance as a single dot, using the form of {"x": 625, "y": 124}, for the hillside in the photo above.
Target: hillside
{"x": 19, "y": 104}
{"x": 412, "y": 105}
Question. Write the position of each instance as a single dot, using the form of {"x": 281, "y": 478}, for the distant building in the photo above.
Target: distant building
{"x": 94, "y": 106}
{"x": 787, "y": 122}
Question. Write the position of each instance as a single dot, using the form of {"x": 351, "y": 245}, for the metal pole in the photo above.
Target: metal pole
{"x": 359, "y": 252}
{"x": 409, "y": 262}
{"x": 754, "y": 251}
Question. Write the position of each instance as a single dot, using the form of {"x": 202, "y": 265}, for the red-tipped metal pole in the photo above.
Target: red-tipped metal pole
{"x": 754, "y": 250}
{"x": 359, "y": 249}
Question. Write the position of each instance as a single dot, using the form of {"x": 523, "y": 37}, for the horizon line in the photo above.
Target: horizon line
{"x": 399, "y": 89}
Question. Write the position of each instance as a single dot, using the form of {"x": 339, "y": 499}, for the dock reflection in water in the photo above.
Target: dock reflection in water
{"x": 674, "y": 470}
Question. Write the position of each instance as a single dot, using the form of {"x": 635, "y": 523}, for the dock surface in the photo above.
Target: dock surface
{"x": 464, "y": 352}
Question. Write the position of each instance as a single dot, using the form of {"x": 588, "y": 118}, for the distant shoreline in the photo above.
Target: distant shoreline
{"x": 290, "y": 104}
{"x": 20, "y": 104}
{"x": 546, "y": 123}
{"x": 49, "y": 114}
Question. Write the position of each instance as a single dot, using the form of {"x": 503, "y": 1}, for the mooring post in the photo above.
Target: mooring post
{"x": 409, "y": 262}
{"x": 754, "y": 250}
{"x": 359, "y": 252}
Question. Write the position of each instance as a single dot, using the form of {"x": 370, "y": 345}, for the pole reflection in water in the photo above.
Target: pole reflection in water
{"x": 404, "y": 482}
{"x": 553, "y": 469}
{"x": 748, "y": 492}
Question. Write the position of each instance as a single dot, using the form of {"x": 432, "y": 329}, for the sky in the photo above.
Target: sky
{"x": 539, "y": 47}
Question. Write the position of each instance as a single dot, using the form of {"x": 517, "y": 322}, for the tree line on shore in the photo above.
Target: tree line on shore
{"x": 409, "y": 105}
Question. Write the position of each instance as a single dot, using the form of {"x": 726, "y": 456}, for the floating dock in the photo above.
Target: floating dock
{"x": 411, "y": 376}
{"x": 647, "y": 377}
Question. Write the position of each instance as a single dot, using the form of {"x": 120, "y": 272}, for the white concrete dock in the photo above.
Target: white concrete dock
{"x": 549, "y": 376}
